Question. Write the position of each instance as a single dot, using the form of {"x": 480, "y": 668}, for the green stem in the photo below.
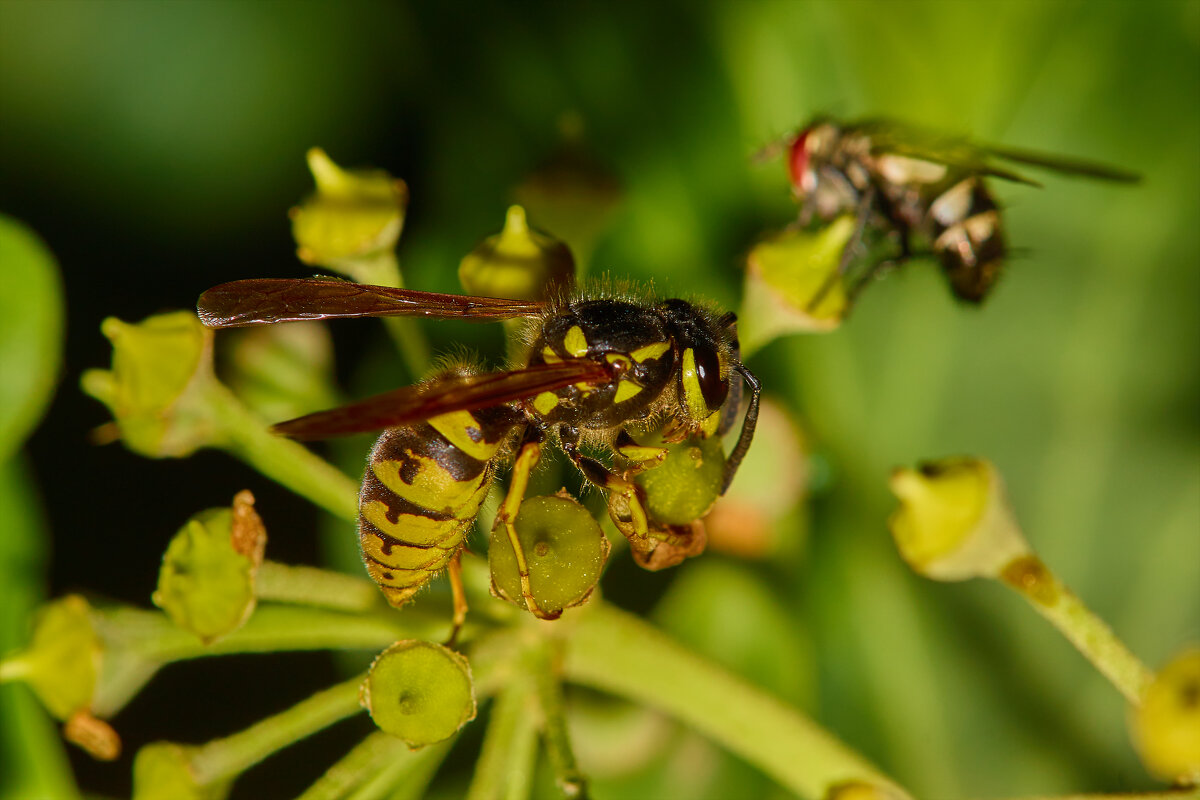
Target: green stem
{"x": 616, "y": 652}
{"x": 152, "y": 636}
{"x": 545, "y": 664}
{"x": 383, "y": 269}
{"x": 504, "y": 770}
{"x": 407, "y": 776}
{"x": 310, "y": 586}
{"x": 368, "y": 757}
{"x": 282, "y": 460}
{"x": 223, "y": 759}
{"x": 1034, "y": 581}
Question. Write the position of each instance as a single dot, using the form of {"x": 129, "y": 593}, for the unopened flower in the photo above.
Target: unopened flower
{"x": 954, "y": 520}
{"x": 1166, "y": 726}
{"x": 518, "y": 262}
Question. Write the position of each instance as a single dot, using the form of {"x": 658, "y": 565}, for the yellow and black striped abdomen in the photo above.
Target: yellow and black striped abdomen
{"x": 422, "y": 491}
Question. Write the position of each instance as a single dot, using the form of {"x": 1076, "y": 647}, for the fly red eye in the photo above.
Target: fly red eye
{"x": 708, "y": 373}
{"x": 798, "y": 161}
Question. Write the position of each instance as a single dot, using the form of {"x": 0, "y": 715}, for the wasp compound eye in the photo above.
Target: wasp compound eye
{"x": 708, "y": 372}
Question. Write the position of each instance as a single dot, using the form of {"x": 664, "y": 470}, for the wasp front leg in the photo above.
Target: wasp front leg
{"x": 599, "y": 475}
{"x": 528, "y": 455}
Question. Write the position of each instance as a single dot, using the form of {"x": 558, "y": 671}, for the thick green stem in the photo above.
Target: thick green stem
{"x": 223, "y": 759}
{"x": 545, "y": 663}
{"x": 1034, "y": 581}
{"x": 282, "y": 460}
{"x": 311, "y": 586}
{"x": 383, "y": 269}
{"x": 368, "y": 757}
{"x": 616, "y": 652}
{"x": 406, "y": 777}
{"x": 505, "y": 767}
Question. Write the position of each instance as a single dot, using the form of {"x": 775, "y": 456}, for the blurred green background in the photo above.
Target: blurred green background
{"x": 156, "y": 146}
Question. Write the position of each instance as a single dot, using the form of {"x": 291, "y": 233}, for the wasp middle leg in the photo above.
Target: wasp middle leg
{"x": 599, "y": 475}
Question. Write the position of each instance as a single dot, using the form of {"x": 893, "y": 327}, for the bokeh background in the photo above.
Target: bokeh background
{"x": 155, "y": 147}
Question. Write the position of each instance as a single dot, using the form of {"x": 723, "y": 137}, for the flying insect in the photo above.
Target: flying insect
{"x": 914, "y": 186}
{"x": 597, "y": 369}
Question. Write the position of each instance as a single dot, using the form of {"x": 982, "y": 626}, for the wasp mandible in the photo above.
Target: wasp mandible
{"x": 596, "y": 370}
{"x": 909, "y": 183}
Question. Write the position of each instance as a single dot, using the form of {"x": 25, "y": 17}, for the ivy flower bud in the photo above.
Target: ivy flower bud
{"x": 1166, "y": 726}
{"x": 793, "y": 285}
{"x": 420, "y": 692}
{"x": 518, "y": 262}
{"x": 565, "y": 551}
{"x": 163, "y": 771}
{"x": 954, "y": 521}
{"x": 206, "y": 584}
{"x": 353, "y": 215}
{"x": 156, "y": 389}
{"x": 63, "y": 660}
{"x": 863, "y": 790}
{"x": 281, "y": 371}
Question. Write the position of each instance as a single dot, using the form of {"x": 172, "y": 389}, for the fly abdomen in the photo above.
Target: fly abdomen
{"x": 422, "y": 491}
{"x": 967, "y": 238}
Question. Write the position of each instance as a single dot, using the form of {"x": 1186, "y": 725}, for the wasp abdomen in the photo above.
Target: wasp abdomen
{"x": 422, "y": 491}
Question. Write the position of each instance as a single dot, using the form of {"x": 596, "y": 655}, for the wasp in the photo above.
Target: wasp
{"x": 596, "y": 371}
{"x": 910, "y": 184}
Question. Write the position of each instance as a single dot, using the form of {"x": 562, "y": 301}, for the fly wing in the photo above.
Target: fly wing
{"x": 442, "y": 396}
{"x": 268, "y": 300}
{"x": 1066, "y": 164}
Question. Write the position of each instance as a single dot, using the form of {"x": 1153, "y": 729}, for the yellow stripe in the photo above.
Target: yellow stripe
{"x": 549, "y": 356}
{"x": 403, "y": 557}
{"x": 454, "y": 427}
{"x": 575, "y": 342}
{"x": 432, "y": 486}
{"x": 411, "y": 528}
{"x": 626, "y": 390}
{"x": 545, "y": 402}
{"x": 650, "y": 351}
{"x": 693, "y": 397}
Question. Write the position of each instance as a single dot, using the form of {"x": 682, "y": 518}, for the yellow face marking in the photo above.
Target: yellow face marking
{"x": 642, "y": 452}
{"x": 549, "y": 356}
{"x": 575, "y": 342}
{"x": 650, "y": 351}
{"x": 711, "y": 423}
{"x": 693, "y": 397}
{"x": 625, "y": 390}
{"x": 545, "y": 402}
{"x": 455, "y": 425}
{"x": 432, "y": 487}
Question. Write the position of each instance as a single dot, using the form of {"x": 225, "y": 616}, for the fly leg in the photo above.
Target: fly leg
{"x": 528, "y": 455}
{"x": 599, "y": 475}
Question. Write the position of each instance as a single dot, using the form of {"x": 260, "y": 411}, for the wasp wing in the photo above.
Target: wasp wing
{"x": 267, "y": 300}
{"x": 442, "y": 396}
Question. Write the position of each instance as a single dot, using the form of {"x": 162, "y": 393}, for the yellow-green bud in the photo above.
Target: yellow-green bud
{"x": 518, "y": 262}
{"x": 564, "y": 549}
{"x": 163, "y": 771}
{"x": 206, "y": 584}
{"x": 688, "y": 481}
{"x": 1166, "y": 726}
{"x": 792, "y": 285}
{"x": 954, "y": 520}
{"x": 353, "y": 214}
{"x": 63, "y": 660}
{"x": 420, "y": 692}
{"x": 281, "y": 371}
{"x": 161, "y": 368}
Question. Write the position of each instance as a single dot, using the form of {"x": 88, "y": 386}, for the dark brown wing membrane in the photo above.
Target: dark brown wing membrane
{"x": 442, "y": 396}
{"x": 267, "y": 300}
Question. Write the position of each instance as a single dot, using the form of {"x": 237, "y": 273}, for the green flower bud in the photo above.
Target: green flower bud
{"x": 954, "y": 521}
{"x": 792, "y": 285}
{"x": 163, "y": 771}
{"x": 688, "y": 481}
{"x": 1166, "y": 726}
{"x": 280, "y": 371}
{"x": 353, "y": 214}
{"x": 862, "y": 790}
{"x": 63, "y": 660}
{"x": 564, "y": 549}
{"x": 161, "y": 370}
{"x": 206, "y": 584}
{"x": 518, "y": 263}
{"x": 420, "y": 692}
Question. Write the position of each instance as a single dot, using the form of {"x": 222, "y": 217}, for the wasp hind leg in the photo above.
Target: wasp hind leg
{"x": 454, "y": 568}
{"x": 528, "y": 456}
